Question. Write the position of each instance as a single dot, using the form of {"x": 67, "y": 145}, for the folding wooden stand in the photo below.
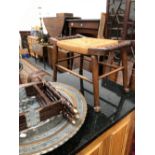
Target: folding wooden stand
{"x": 94, "y": 48}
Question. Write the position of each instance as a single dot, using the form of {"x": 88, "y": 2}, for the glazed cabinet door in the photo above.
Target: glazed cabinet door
{"x": 115, "y": 141}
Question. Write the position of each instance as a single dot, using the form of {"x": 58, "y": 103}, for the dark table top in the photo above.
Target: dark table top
{"x": 115, "y": 105}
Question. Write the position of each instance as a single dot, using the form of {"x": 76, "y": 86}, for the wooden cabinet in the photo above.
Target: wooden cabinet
{"x": 88, "y": 27}
{"x": 24, "y": 35}
{"x": 31, "y": 41}
{"x": 115, "y": 141}
{"x": 62, "y": 55}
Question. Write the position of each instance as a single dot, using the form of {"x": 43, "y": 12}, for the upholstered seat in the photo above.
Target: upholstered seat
{"x": 82, "y": 45}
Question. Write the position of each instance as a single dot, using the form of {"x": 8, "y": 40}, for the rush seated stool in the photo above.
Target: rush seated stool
{"x": 93, "y": 47}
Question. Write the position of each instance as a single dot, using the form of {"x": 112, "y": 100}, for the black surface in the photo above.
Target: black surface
{"x": 115, "y": 105}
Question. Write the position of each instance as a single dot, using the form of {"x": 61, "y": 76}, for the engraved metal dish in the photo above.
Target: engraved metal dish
{"x": 55, "y": 131}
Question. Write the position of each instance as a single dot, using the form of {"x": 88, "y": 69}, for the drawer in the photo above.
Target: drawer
{"x": 87, "y": 25}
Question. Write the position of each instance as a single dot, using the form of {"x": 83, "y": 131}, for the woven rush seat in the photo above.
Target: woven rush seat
{"x": 81, "y": 45}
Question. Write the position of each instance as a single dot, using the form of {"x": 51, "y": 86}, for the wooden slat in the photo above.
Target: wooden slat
{"x": 77, "y": 56}
{"x": 42, "y": 94}
{"x": 113, "y": 66}
{"x": 102, "y": 26}
{"x": 114, "y": 71}
{"x": 114, "y": 141}
{"x": 74, "y": 73}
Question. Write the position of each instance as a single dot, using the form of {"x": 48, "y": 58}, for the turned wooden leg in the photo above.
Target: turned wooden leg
{"x": 55, "y": 60}
{"x": 44, "y": 61}
{"x": 95, "y": 79}
{"x": 125, "y": 70}
{"x": 68, "y": 61}
{"x": 35, "y": 56}
{"x": 44, "y": 51}
{"x": 81, "y": 73}
{"x": 71, "y": 61}
{"x": 109, "y": 61}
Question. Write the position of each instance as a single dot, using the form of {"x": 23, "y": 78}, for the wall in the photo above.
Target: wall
{"x": 29, "y": 12}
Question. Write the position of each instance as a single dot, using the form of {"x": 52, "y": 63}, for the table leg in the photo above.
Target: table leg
{"x": 44, "y": 61}
{"x": 125, "y": 70}
{"x": 71, "y": 61}
{"x": 35, "y": 57}
{"x": 55, "y": 61}
{"x": 44, "y": 51}
{"x": 95, "y": 79}
{"x": 81, "y": 73}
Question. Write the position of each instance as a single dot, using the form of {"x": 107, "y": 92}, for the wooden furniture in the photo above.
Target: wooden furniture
{"x": 31, "y": 70}
{"x": 132, "y": 79}
{"x": 120, "y": 19}
{"x": 65, "y": 24}
{"x": 62, "y": 55}
{"x": 87, "y": 27}
{"x": 120, "y": 25}
{"x": 24, "y": 35}
{"x": 31, "y": 41}
{"x": 102, "y": 24}
{"x": 57, "y": 26}
{"x": 20, "y": 69}
{"x": 115, "y": 141}
{"x": 40, "y": 50}
{"x": 37, "y": 49}
{"x": 51, "y": 103}
{"x": 94, "y": 47}
{"x": 54, "y": 25}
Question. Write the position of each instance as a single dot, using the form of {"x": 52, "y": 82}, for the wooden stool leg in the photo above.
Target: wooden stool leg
{"x": 35, "y": 56}
{"x": 71, "y": 61}
{"x": 68, "y": 61}
{"x": 109, "y": 61}
{"x": 125, "y": 70}
{"x": 95, "y": 79}
{"x": 55, "y": 61}
{"x": 81, "y": 73}
{"x": 44, "y": 61}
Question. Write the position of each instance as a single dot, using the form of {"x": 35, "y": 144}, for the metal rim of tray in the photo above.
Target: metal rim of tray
{"x": 62, "y": 132}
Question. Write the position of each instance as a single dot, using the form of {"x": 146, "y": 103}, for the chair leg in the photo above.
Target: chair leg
{"x": 35, "y": 57}
{"x": 95, "y": 79}
{"x": 125, "y": 70}
{"x": 44, "y": 61}
{"x": 71, "y": 61}
{"x": 68, "y": 61}
{"x": 55, "y": 61}
{"x": 81, "y": 73}
{"x": 109, "y": 61}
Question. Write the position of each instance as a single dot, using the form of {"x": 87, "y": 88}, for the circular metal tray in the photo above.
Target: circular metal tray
{"x": 56, "y": 130}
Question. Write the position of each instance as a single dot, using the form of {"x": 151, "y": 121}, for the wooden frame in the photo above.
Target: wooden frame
{"x": 51, "y": 103}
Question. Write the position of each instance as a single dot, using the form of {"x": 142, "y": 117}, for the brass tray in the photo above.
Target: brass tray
{"x": 57, "y": 130}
